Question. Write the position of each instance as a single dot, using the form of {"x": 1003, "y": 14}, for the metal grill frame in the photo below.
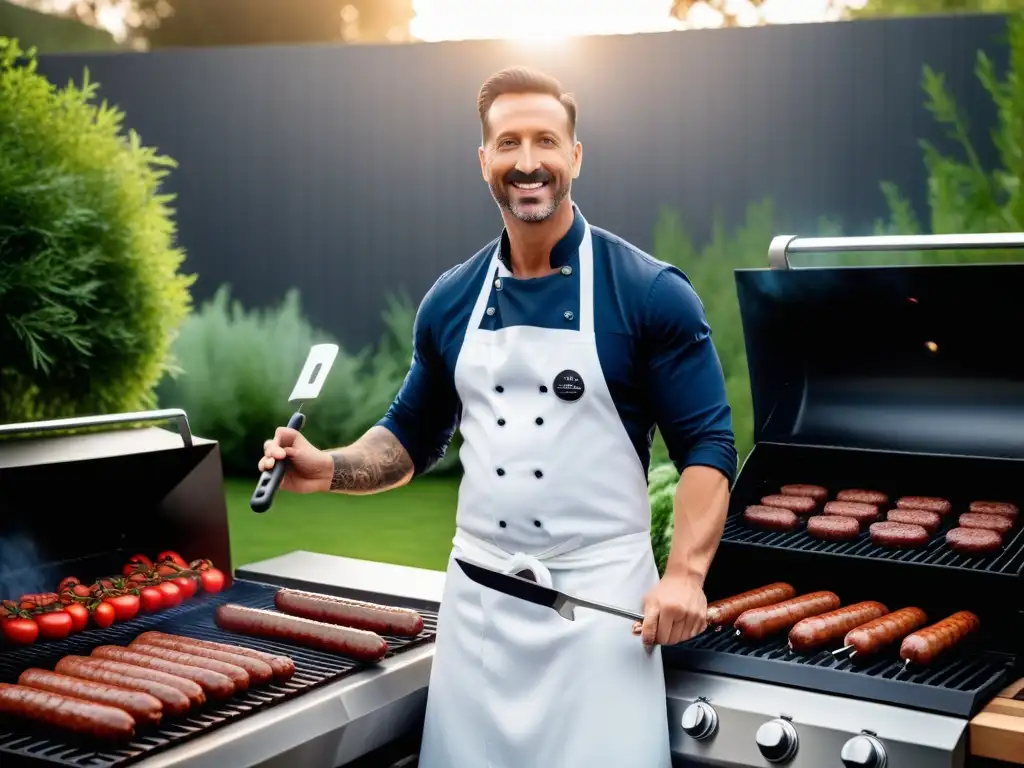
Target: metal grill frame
{"x": 27, "y": 746}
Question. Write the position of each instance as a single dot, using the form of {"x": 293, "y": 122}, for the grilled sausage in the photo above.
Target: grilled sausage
{"x": 86, "y": 718}
{"x": 144, "y": 708}
{"x": 974, "y": 541}
{"x": 998, "y": 523}
{"x": 234, "y": 673}
{"x": 802, "y": 505}
{"x": 930, "y": 521}
{"x": 825, "y": 628}
{"x": 171, "y": 698}
{"x": 214, "y": 684}
{"x": 1004, "y": 508}
{"x": 260, "y": 673}
{"x": 282, "y": 666}
{"x": 898, "y": 535}
{"x": 382, "y": 619}
{"x": 759, "y": 623}
{"x": 930, "y": 503}
{"x": 926, "y": 645}
{"x": 862, "y": 513}
{"x": 861, "y": 496}
{"x": 726, "y": 611}
{"x": 870, "y": 638}
{"x": 357, "y": 643}
{"x": 833, "y": 527}
{"x": 771, "y": 519}
{"x": 816, "y": 492}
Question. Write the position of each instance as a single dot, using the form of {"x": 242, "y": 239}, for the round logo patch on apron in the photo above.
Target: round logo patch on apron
{"x": 568, "y": 386}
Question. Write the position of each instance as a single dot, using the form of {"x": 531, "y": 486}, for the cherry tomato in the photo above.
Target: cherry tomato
{"x": 79, "y": 616}
{"x": 67, "y": 582}
{"x": 213, "y": 581}
{"x": 19, "y": 631}
{"x": 125, "y": 607}
{"x": 173, "y": 557}
{"x": 187, "y": 584}
{"x": 136, "y": 563}
{"x": 171, "y": 593}
{"x": 104, "y": 615}
{"x": 151, "y": 599}
{"x": 167, "y": 570}
{"x": 54, "y": 625}
{"x": 80, "y": 590}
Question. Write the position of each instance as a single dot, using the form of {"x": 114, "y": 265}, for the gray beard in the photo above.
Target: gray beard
{"x": 532, "y": 214}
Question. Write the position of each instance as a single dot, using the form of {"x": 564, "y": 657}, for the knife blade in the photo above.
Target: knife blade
{"x": 516, "y": 586}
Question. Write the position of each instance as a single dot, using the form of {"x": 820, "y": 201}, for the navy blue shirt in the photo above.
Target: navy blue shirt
{"x": 652, "y": 336}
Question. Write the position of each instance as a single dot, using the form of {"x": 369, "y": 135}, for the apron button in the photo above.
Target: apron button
{"x": 543, "y": 389}
{"x": 539, "y": 421}
{"x": 501, "y": 422}
{"x": 502, "y": 523}
{"x": 537, "y": 523}
{"x": 490, "y": 311}
{"x": 497, "y": 283}
{"x": 499, "y": 388}
{"x": 538, "y": 474}
{"x": 501, "y": 472}
{"x": 567, "y": 315}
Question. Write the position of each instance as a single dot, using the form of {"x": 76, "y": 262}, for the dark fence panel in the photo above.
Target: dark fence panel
{"x": 350, "y": 172}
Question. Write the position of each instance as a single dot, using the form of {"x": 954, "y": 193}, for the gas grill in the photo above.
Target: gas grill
{"x": 157, "y": 490}
{"x": 895, "y": 379}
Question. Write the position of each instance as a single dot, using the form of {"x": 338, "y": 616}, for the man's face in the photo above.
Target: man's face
{"x": 529, "y": 158}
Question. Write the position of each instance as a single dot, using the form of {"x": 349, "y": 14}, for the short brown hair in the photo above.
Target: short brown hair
{"x": 523, "y": 80}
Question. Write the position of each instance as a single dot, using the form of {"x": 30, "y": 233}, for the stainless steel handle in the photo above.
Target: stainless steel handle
{"x": 82, "y": 422}
{"x": 608, "y": 609}
{"x": 783, "y": 245}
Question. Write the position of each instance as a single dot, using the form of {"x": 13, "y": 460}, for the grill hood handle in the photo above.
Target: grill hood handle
{"x": 783, "y": 245}
{"x": 176, "y": 415}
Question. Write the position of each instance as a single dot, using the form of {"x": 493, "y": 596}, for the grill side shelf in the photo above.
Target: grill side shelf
{"x": 195, "y": 619}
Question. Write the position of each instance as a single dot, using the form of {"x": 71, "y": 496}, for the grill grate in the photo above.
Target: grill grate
{"x": 1009, "y": 560}
{"x": 958, "y": 686}
{"x": 195, "y": 619}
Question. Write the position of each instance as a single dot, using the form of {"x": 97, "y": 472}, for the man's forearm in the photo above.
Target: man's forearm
{"x": 375, "y": 462}
{"x": 701, "y": 504}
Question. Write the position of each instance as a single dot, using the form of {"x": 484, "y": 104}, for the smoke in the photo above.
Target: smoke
{"x": 20, "y": 562}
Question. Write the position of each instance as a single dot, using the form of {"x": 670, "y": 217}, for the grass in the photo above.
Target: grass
{"x": 412, "y": 526}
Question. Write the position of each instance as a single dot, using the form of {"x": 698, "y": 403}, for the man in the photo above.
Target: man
{"x": 556, "y": 350}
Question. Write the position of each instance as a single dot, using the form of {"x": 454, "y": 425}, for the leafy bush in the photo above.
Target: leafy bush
{"x": 239, "y": 367}
{"x": 90, "y": 293}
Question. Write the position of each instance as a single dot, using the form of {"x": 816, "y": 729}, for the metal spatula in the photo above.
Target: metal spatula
{"x": 311, "y": 381}
{"x": 516, "y": 586}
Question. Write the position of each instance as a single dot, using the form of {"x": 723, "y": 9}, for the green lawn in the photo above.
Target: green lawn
{"x": 409, "y": 526}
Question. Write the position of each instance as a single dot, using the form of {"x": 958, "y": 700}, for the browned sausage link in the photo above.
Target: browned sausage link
{"x": 862, "y": 513}
{"x": 862, "y": 496}
{"x": 382, "y": 619}
{"x": 214, "y": 684}
{"x": 1004, "y": 508}
{"x": 260, "y": 673}
{"x": 930, "y": 521}
{"x": 930, "y": 503}
{"x": 771, "y": 519}
{"x": 872, "y": 637}
{"x": 973, "y": 541}
{"x": 234, "y": 673}
{"x": 998, "y": 523}
{"x": 357, "y": 643}
{"x": 283, "y": 667}
{"x": 144, "y": 708}
{"x": 759, "y": 623}
{"x": 802, "y": 505}
{"x": 724, "y": 612}
{"x": 86, "y": 718}
{"x": 926, "y": 645}
{"x": 826, "y": 628}
{"x": 174, "y": 702}
{"x": 817, "y": 492}
{"x": 833, "y": 528}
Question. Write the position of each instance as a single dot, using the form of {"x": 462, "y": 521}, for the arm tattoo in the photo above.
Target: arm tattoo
{"x": 375, "y": 462}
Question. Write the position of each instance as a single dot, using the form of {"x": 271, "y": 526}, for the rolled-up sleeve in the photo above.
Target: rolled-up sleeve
{"x": 425, "y": 413}
{"x": 686, "y": 385}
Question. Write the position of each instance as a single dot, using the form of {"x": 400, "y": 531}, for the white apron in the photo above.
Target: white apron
{"x": 556, "y": 487}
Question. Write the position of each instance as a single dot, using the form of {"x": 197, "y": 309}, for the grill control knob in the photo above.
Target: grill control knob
{"x": 863, "y": 752}
{"x": 700, "y": 721}
{"x": 777, "y": 741}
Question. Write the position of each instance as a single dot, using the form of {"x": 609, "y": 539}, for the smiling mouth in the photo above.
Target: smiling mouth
{"x": 530, "y": 187}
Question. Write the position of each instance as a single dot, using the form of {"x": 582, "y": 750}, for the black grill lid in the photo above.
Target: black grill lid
{"x": 913, "y": 358}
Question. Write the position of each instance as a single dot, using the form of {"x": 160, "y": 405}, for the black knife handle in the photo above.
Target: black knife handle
{"x": 268, "y": 483}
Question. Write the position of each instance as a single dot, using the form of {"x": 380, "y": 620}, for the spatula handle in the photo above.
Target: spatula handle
{"x": 269, "y": 482}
